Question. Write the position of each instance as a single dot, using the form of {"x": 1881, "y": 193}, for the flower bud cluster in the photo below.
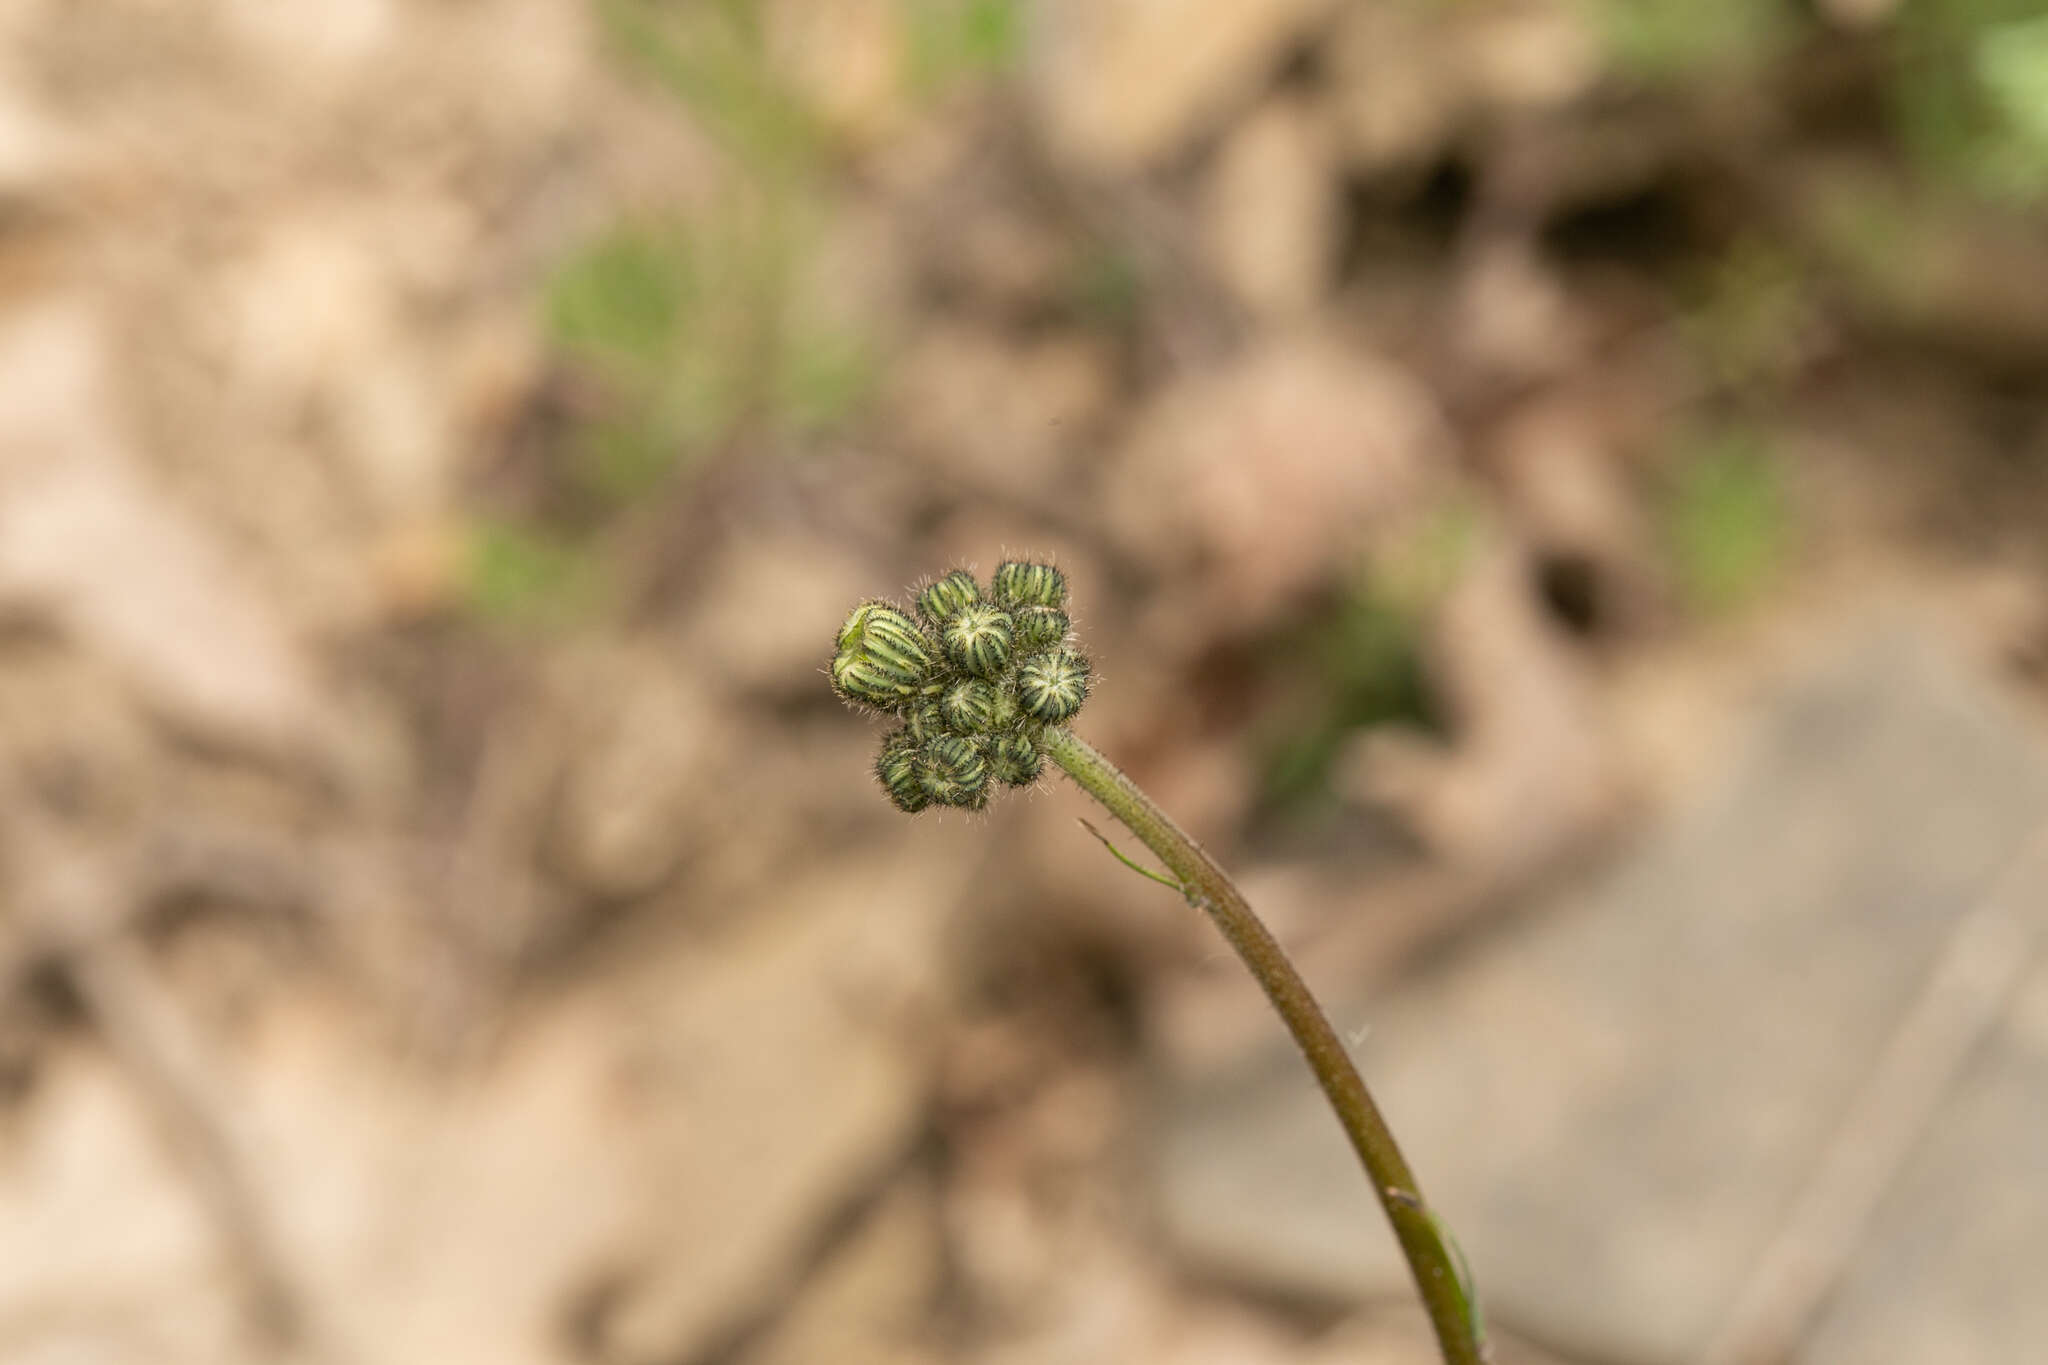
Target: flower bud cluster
{"x": 974, "y": 676}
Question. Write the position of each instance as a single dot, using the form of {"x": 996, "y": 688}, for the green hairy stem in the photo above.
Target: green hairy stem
{"x": 1445, "y": 1294}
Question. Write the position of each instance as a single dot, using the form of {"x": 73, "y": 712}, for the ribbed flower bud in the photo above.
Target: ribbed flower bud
{"x": 1018, "y": 584}
{"x": 972, "y": 706}
{"x": 1008, "y": 714}
{"x": 954, "y": 772}
{"x": 944, "y": 597}
{"x": 895, "y": 641}
{"x": 1038, "y": 628}
{"x": 978, "y": 640}
{"x": 856, "y": 627}
{"x": 896, "y": 768}
{"x": 1015, "y": 760}
{"x": 860, "y": 679}
{"x": 926, "y": 719}
{"x": 884, "y": 658}
{"x": 1052, "y": 686}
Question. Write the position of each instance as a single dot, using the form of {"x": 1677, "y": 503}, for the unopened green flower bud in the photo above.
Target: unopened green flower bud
{"x": 898, "y": 644}
{"x": 954, "y": 771}
{"x": 971, "y": 706}
{"x": 926, "y": 719}
{"x": 884, "y": 658}
{"x": 1018, "y": 584}
{"x": 1015, "y": 760}
{"x": 896, "y": 768}
{"x": 1038, "y": 628}
{"x": 860, "y": 679}
{"x": 978, "y": 640}
{"x": 1008, "y": 714}
{"x": 944, "y": 597}
{"x": 1052, "y": 686}
{"x": 856, "y": 627}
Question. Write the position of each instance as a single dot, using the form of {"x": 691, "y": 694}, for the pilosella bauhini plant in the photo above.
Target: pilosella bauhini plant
{"x": 975, "y": 679}
{"x": 982, "y": 686}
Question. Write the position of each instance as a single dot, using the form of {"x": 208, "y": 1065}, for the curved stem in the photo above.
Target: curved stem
{"x": 1421, "y": 1235}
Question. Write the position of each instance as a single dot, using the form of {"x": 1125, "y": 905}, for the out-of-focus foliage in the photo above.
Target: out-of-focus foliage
{"x": 1725, "y": 519}
{"x": 1972, "y": 91}
{"x": 950, "y": 39}
{"x": 1970, "y": 86}
{"x": 714, "y": 56}
{"x": 1359, "y": 662}
{"x": 1362, "y": 661}
{"x": 526, "y": 575}
{"x": 1663, "y": 39}
{"x": 1750, "y": 320}
{"x": 696, "y": 329}
{"x": 690, "y": 329}
{"x": 1105, "y": 287}
{"x": 2012, "y": 69}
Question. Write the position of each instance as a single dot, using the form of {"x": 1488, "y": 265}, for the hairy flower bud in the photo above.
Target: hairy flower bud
{"x": 943, "y": 598}
{"x": 1038, "y": 628}
{"x": 1008, "y": 715}
{"x": 1015, "y": 760}
{"x": 926, "y": 719}
{"x": 1019, "y": 584}
{"x": 972, "y": 706}
{"x": 979, "y": 639}
{"x": 894, "y": 641}
{"x": 1052, "y": 686}
{"x": 884, "y": 657}
{"x": 856, "y": 627}
{"x": 954, "y": 771}
{"x": 860, "y": 679}
{"x": 896, "y": 768}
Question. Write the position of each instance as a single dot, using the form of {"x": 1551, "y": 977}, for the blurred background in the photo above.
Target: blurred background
{"x": 1554, "y": 490}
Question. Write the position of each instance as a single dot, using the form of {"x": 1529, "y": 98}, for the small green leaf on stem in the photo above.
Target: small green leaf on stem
{"x": 1117, "y": 854}
{"x": 1459, "y": 1265}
